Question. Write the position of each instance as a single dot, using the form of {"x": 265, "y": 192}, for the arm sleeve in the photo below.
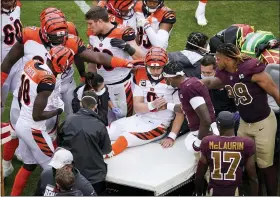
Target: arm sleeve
{"x": 46, "y": 84}
{"x": 158, "y": 39}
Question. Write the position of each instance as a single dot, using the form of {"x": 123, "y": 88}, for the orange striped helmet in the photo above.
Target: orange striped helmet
{"x": 54, "y": 29}
{"x": 61, "y": 57}
{"x": 156, "y": 56}
{"x": 121, "y": 8}
{"x": 51, "y": 10}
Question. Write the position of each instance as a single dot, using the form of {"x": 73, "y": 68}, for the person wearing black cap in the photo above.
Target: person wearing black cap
{"x": 226, "y": 156}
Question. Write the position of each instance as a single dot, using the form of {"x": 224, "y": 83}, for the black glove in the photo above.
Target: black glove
{"x": 59, "y": 111}
{"x": 115, "y": 42}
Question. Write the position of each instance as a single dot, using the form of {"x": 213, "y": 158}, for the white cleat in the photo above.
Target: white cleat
{"x": 200, "y": 17}
{"x": 8, "y": 170}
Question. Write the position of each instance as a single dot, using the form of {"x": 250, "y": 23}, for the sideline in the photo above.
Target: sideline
{"x": 83, "y": 6}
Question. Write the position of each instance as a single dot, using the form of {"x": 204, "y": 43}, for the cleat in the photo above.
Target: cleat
{"x": 200, "y": 17}
{"x": 7, "y": 169}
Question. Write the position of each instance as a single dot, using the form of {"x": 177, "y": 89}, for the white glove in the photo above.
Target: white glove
{"x": 143, "y": 23}
{"x": 57, "y": 103}
{"x": 111, "y": 154}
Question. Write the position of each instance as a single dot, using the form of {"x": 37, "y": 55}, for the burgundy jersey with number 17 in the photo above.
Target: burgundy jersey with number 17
{"x": 250, "y": 98}
{"x": 226, "y": 157}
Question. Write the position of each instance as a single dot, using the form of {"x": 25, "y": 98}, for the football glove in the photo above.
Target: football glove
{"x": 115, "y": 42}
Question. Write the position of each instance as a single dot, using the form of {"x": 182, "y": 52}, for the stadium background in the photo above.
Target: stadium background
{"x": 263, "y": 15}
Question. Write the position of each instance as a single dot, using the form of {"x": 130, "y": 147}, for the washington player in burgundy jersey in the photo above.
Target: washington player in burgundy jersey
{"x": 246, "y": 81}
{"x": 226, "y": 156}
{"x": 195, "y": 104}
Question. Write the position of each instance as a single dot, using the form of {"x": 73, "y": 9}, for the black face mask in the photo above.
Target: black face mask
{"x": 57, "y": 40}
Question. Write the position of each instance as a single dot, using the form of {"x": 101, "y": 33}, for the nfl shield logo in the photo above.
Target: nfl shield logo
{"x": 100, "y": 44}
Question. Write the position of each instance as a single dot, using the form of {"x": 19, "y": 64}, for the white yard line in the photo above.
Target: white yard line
{"x": 83, "y": 6}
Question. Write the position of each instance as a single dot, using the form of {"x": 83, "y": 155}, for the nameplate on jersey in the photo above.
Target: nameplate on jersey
{"x": 143, "y": 83}
{"x": 50, "y": 191}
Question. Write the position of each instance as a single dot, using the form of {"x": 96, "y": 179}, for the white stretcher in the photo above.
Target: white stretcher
{"x": 151, "y": 167}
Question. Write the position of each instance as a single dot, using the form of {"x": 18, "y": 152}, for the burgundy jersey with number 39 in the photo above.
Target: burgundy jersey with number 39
{"x": 226, "y": 157}
{"x": 250, "y": 98}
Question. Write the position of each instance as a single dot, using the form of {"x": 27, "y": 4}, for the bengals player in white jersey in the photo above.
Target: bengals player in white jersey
{"x": 106, "y": 37}
{"x": 154, "y": 24}
{"x": 150, "y": 94}
{"x": 38, "y": 82}
{"x": 11, "y": 28}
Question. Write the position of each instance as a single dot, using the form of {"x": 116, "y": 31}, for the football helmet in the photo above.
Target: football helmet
{"x": 8, "y": 6}
{"x": 54, "y": 29}
{"x": 121, "y": 8}
{"x": 51, "y": 10}
{"x": 156, "y": 58}
{"x": 61, "y": 57}
{"x": 152, "y": 10}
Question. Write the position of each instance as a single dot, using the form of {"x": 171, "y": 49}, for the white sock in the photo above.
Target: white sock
{"x": 6, "y": 163}
{"x": 201, "y": 7}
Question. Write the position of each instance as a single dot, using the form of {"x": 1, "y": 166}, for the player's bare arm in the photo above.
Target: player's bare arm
{"x": 176, "y": 126}
{"x": 213, "y": 83}
{"x": 141, "y": 107}
{"x": 251, "y": 170}
{"x": 92, "y": 67}
{"x": 205, "y": 120}
{"x": 16, "y": 52}
{"x": 139, "y": 53}
{"x": 265, "y": 81}
{"x": 40, "y": 104}
{"x": 201, "y": 170}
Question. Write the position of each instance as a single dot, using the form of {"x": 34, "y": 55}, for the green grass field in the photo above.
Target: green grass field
{"x": 263, "y": 15}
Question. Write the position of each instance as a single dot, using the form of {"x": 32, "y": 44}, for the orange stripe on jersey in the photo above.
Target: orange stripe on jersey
{"x": 129, "y": 100}
{"x": 38, "y": 75}
{"x": 163, "y": 12}
{"x": 31, "y": 33}
{"x": 41, "y": 142}
{"x": 18, "y": 3}
{"x": 138, "y": 6}
{"x": 72, "y": 28}
{"x": 140, "y": 74}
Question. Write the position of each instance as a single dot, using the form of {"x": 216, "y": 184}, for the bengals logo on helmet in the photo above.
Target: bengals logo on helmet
{"x": 49, "y": 11}
{"x": 121, "y": 8}
{"x": 62, "y": 58}
{"x": 54, "y": 29}
{"x": 156, "y": 56}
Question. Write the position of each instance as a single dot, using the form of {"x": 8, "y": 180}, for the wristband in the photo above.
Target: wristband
{"x": 129, "y": 49}
{"x": 170, "y": 106}
{"x": 151, "y": 107}
{"x": 4, "y": 76}
{"x": 118, "y": 62}
{"x": 172, "y": 135}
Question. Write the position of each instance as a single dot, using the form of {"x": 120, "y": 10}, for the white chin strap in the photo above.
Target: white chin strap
{"x": 207, "y": 49}
{"x": 181, "y": 73}
{"x": 155, "y": 78}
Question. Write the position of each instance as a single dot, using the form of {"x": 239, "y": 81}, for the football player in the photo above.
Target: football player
{"x": 246, "y": 81}
{"x": 37, "y": 85}
{"x": 226, "y": 155}
{"x": 154, "y": 24}
{"x": 195, "y": 104}
{"x": 116, "y": 41}
{"x": 35, "y": 42}
{"x": 149, "y": 97}
{"x": 200, "y": 13}
{"x": 11, "y": 29}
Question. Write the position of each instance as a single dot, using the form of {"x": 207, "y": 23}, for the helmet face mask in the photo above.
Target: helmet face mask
{"x": 154, "y": 8}
{"x": 8, "y": 6}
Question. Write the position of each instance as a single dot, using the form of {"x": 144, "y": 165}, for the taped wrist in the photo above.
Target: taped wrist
{"x": 129, "y": 49}
{"x": 151, "y": 107}
{"x": 172, "y": 135}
